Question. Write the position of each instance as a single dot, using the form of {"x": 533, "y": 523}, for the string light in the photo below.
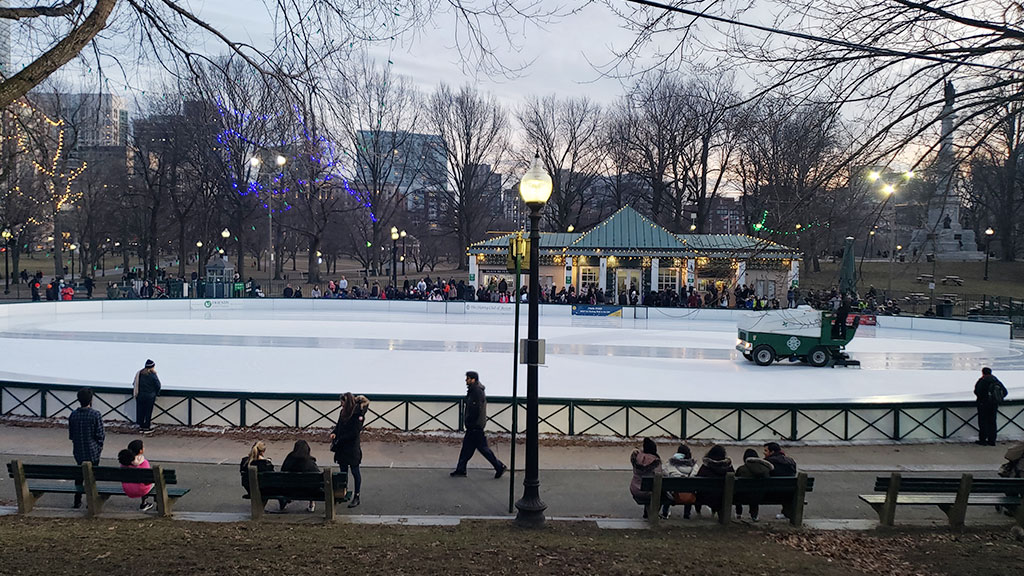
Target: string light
{"x": 797, "y": 228}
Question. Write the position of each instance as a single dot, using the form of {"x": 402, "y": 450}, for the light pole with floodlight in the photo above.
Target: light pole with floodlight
{"x": 225, "y": 234}
{"x": 402, "y": 234}
{"x": 6, "y": 271}
{"x": 988, "y": 240}
{"x": 394, "y": 256}
{"x": 72, "y": 249}
{"x": 534, "y": 189}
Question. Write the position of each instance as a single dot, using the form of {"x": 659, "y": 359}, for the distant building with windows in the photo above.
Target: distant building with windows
{"x": 418, "y": 170}
{"x": 91, "y": 119}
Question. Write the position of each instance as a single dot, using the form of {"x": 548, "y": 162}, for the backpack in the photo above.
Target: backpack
{"x": 996, "y": 392}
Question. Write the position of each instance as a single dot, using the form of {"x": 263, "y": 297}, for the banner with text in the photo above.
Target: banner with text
{"x": 589, "y": 310}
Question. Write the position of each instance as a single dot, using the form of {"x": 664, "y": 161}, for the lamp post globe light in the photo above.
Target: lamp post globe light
{"x": 394, "y": 255}
{"x": 534, "y": 189}
{"x": 6, "y": 234}
{"x": 988, "y": 240}
{"x": 402, "y": 234}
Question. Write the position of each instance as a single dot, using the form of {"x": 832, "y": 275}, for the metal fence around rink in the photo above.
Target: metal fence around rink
{"x": 738, "y": 422}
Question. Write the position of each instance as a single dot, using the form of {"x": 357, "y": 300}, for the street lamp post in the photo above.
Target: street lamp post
{"x": 394, "y": 256}
{"x": 6, "y": 271}
{"x": 534, "y": 189}
{"x": 889, "y": 190}
{"x": 72, "y": 249}
{"x": 403, "y": 235}
{"x": 255, "y": 162}
{"x": 988, "y": 240}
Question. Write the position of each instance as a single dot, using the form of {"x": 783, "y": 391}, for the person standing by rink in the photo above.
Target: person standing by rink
{"x": 989, "y": 392}
{"x": 147, "y": 388}
{"x": 345, "y": 439}
{"x": 476, "y": 419}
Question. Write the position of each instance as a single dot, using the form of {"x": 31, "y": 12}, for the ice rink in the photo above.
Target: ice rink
{"x": 332, "y": 349}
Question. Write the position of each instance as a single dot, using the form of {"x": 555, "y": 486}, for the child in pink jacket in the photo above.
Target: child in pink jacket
{"x": 133, "y": 457}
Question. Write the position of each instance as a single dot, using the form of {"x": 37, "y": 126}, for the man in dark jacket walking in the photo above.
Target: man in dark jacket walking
{"x": 476, "y": 419}
{"x": 85, "y": 429}
{"x": 989, "y": 392}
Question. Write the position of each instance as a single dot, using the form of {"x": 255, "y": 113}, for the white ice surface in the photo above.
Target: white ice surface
{"x": 410, "y": 353}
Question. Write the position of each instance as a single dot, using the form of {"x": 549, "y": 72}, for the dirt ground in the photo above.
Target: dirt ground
{"x": 113, "y": 547}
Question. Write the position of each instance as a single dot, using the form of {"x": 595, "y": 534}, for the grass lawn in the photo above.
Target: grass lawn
{"x": 1005, "y": 279}
{"x": 142, "y": 547}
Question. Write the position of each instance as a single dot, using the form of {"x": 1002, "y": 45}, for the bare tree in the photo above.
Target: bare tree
{"x": 168, "y": 34}
{"x": 474, "y": 130}
{"x": 658, "y": 112}
{"x": 380, "y": 114}
{"x": 566, "y": 134}
{"x": 997, "y": 179}
{"x": 712, "y": 105}
{"x": 620, "y": 185}
{"x": 790, "y": 159}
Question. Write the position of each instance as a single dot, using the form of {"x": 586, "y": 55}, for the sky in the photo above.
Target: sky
{"x": 563, "y": 55}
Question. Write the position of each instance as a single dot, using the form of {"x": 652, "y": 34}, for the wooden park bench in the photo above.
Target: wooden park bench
{"x": 951, "y": 495}
{"x": 785, "y": 490}
{"x": 315, "y": 486}
{"x": 923, "y": 278}
{"x": 96, "y": 483}
{"x": 953, "y": 280}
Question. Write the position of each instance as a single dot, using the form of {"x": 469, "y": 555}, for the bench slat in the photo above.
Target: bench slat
{"x": 943, "y": 499}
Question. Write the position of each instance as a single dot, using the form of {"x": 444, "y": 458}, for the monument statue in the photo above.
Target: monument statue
{"x": 942, "y": 234}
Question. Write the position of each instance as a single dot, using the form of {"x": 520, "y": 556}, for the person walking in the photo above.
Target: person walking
{"x": 989, "y": 393}
{"x": 345, "y": 439}
{"x": 476, "y": 419}
{"x": 85, "y": 429}
{"x": 147, "y": 388}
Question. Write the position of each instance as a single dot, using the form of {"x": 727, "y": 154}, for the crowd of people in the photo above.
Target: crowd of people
{"x": 714, "y": 464}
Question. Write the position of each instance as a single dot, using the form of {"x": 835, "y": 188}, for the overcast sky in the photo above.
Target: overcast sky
{"x": 561, "y": 52}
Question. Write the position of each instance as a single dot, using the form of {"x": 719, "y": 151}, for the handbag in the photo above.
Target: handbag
{"x": 685, "y": 498}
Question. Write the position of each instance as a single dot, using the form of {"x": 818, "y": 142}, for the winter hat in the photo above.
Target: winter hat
{"x": 716, "y": 453}
{"x": 684, "y": 450}
{"x": 650, "y": 447}
{"x": 150, "y": 364}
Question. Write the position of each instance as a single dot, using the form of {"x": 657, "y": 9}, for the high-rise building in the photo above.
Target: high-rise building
{"x": 91, "y": 119}
{"x": 417, "y": 169}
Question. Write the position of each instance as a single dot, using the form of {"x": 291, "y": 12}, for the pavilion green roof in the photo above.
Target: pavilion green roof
{"x": 549, "y": 241}
{"x": 629, "y": 230}
{"x": 728, "y": 245}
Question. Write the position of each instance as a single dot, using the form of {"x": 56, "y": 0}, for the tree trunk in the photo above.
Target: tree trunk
{"x": 314, "y": 265}
{"x": 70, "y": 46}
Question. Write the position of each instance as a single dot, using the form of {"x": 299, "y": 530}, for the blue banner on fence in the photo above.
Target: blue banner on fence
{"x": 588, "y": 310}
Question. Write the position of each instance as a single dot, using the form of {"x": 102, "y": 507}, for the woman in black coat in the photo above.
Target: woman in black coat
{"x": 345, "y": 439}
{"x": 300, "y": 460}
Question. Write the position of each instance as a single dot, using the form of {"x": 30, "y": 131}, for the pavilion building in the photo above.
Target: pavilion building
{"x": 629, "y": 251}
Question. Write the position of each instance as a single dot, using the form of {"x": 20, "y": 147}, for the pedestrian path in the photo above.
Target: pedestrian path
{"x": 407, "y": 482}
